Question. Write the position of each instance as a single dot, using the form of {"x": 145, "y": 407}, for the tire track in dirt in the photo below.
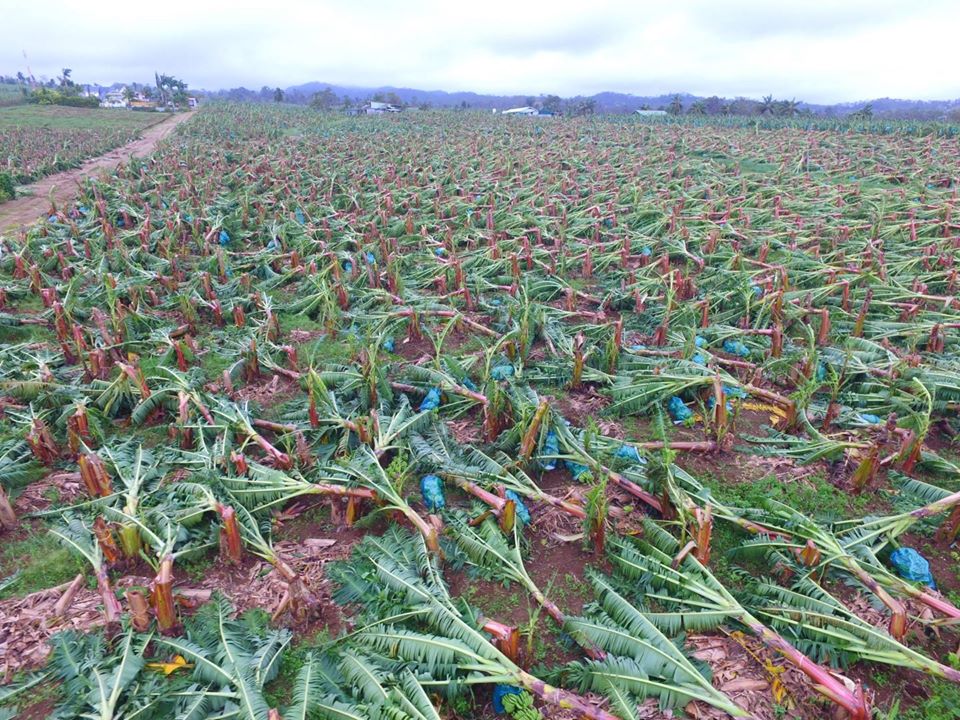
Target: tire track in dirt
{"x": 26, "y": 210}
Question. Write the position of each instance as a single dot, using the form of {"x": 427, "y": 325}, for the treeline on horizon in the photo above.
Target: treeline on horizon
{"x": 334, "y": 98}
{"x": 676, "y": 104}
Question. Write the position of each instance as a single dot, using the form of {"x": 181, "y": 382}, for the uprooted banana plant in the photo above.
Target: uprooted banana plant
{"x": 411, "y": 621}
{"x": 641, "y": 661}
{"x": 662, "y": 575}
{"x": 487, "y": 548}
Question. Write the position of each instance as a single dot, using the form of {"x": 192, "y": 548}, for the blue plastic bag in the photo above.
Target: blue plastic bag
{"x": 347, "y": 266}
{"x": 468, "y": 384}
{"x": 735, "y": 347}
{"x": 911, "y": 565}
{"x": 869, "y": 419}
{"x": 699, "y": 359}
{"x": 371, "y": 258}
{"x": 678, "y": 411}
{"x": 700, "y": 341}
{"x": 712, "y": 402}
{"x": 551, "y": 446}
{"x": 224, "y": 237}
{"x": 388, "y": 344}
{"x": 431, "y": 401}
{"x": 576, "y": 469}
{"x": 301, "y": 218}
{"x": 431, "y": 488}
{"x": 522, "y": 513}
{"x": 734, "y": 392}
{"x": 501, "y": 372}
{"x": 629, "y": 452}
{"x": 501, "y": 691}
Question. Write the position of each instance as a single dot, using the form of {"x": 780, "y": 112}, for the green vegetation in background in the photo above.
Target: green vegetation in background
{"x": 68, "y": 118}
{"x": 41, "y": 562}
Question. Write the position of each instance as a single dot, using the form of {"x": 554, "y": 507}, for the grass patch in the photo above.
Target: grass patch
{"x": 196, "y": 567}
{"x": 812, "y": 495}
{"x": 69, "y": 118}
{"x": 41, "y": 561}
{"x": 494, "y": 605}
{"x": 279, "y": 691}
{"x": 943, "y": 703}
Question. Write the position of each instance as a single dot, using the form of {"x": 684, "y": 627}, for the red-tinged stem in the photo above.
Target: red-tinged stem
{"x": 8, "y": 518}
{"x": 341, "y": 491}
{"x": 274, "y": 426}
{"x": 691, "y": 445}
{"x": 563, "y": 698}
{"x": 139, "y": 610}
{"x": 704, "y": 518}
{"x": 314, "y": 417}
{"x": 506, "y": 638}
{"x": 634, "y": 489}
{"x": 941, "y": 605}
{"x": 948, "y": 531}
{"x": 508, "y": 516}
{"x": 282, "y": 459}
{"x": 136, "y": 376}
{"x": 162, "y": 596}
{"x": 94, "y": 475}
{"x": 231, "y": 544}
{"x": 898, "y": 621}
{"x": 491, "y": 499}
{"x": 529, "y": 441}
{"x": 66, "y": 600}
{"x": 106, "y": 541}
{"x": 111, "y": 606}
{"x": 826, "y": 684}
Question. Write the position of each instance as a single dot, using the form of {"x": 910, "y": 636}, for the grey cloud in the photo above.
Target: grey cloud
{"x": 817, "y": 50}
{"x": 582, "y": 38}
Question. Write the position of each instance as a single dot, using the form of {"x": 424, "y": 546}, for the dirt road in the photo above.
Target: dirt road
{"x": 25, "y": 210}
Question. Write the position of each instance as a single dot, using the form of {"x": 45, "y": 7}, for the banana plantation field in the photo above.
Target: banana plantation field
{"x": 36, "y": 141}
{"x": 444, "y": 415}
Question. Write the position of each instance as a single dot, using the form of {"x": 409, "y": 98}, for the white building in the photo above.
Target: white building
{"x": 375, "y": 108}
{"x": 526, "y": 110}
{"x": 651, "y": 113}
{"x": 114, "y": 99}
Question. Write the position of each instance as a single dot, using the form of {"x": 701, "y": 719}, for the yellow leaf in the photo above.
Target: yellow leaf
{"x": 179, "y": 662}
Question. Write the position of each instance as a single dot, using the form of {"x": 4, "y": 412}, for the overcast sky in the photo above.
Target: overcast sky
{"x": 814, "y": 50}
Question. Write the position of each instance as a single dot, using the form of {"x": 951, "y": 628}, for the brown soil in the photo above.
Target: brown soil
{"x": 26, "y": 210}
{"x": 579, "y": 404}
{"x": 558, "y": 572}
{"x": 416, "y": 351}
{"x": 268, "y": 392}
{"x": 38, "y": 711}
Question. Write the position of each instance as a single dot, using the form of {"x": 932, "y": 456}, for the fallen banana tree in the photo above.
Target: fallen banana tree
{"x": 451, "y": 651}
{"x": 699, "y": 602}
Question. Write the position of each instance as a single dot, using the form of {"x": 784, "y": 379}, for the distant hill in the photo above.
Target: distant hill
{"x": 437, "y": 98}
{"x": 603, "y": 102}
{"x": 610, "y": 101}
